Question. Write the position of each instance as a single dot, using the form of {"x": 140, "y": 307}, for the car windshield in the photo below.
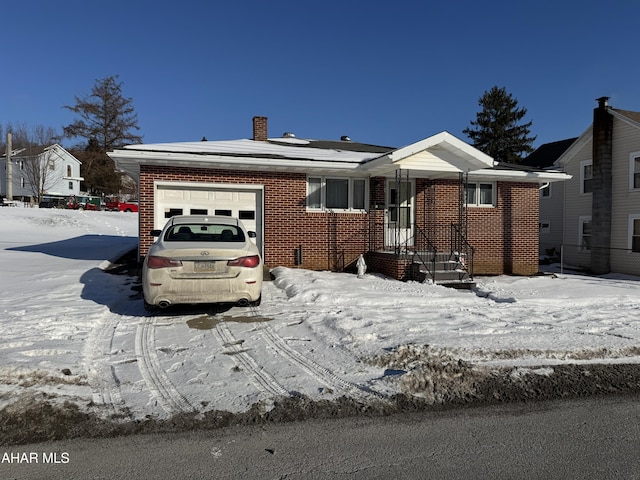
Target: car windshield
{"x": 204, "y": 233}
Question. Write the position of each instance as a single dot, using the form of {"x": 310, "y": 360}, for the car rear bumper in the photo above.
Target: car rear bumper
{"x": 227, "y": 290}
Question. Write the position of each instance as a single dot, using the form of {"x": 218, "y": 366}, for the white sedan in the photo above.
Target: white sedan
{"x": 201, "y": 259}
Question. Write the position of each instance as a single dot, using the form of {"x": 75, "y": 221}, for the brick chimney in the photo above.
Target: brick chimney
{"x": 260, "y": 129}
{"x": 601, "y": 206}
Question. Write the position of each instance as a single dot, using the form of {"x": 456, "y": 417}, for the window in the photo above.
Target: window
{"x": 337, "y": 193}
{"x": 634, "y": 233}
{"x": 22, "y": 182}
{"x": 586, "y": 176}
{"x": 171, "y": 212}
{"x": 584, "y": 234}
{"x": 68, "y": 170}
{"x": 545, "y": 227}
{"x": 70, "y": 185}
{"x": 480, "y": 194}
{"x": 545, "y": 192}
{"x": 247, "y": 215}
{"x": 634, "y": 171}
{"x": 314, "y": 193}
{"x": 325, "y": 193}
{"x": 204, "y": 233}
{"x": 198, "y": 211}
{"x": 223, "y": 213}
{"x": 358, "y": 194}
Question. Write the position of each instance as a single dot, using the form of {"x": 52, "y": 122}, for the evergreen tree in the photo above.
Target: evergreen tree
{"x": 497, "y": 131}
{"x": 106, "y": 121}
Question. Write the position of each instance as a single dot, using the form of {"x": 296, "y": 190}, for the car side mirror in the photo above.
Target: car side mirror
{"x": 156, "y": 233}
{"x": 252, "y": 234}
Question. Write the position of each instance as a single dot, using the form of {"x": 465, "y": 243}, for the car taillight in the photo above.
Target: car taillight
{"x": 162, "y": 262}
{"x": 249, "y": 262}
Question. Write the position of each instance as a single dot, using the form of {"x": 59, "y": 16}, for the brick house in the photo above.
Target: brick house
{"x": 438, "y": 208}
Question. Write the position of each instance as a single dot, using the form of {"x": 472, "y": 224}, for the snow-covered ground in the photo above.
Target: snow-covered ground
{"x": 70, "y": 331}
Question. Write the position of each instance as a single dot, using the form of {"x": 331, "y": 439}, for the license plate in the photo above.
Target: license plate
{"x": 205, "y": 266}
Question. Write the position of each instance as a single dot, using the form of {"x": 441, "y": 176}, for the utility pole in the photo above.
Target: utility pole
{"x": 9, "y": 193}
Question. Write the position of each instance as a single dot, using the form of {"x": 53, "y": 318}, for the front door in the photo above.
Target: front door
{"x": 399, "y": 217}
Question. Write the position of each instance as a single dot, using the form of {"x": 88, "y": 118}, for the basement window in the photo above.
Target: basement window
{"x": 480, "y": 194}
{"x": 336, "y": 194}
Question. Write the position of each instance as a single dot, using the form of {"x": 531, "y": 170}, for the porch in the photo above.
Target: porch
{"x": 425, "y": 258}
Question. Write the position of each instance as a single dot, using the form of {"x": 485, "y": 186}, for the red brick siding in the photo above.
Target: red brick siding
{"x": 328, "y": 241}
{"x": 505, "y": 237}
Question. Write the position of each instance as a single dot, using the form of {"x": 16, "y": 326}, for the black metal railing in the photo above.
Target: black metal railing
{"x": 462, "y": 250}
{"x": 425, "y": 251}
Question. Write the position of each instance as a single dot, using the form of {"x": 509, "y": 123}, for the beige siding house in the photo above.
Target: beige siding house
{"x": 601, "y": 225}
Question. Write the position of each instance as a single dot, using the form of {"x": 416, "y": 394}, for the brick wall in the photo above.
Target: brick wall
{"x": 505, "y": 237}
{"x": 327, "y": 241}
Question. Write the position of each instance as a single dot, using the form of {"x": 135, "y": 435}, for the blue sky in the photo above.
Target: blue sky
{"x": 383, "y": 72}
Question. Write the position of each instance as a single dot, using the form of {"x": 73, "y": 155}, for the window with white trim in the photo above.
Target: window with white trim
{"x": 586, "y": 176}
{"x": 480, "y": 194}
{"x": 337, "y": 194}
{"x": 634, "y": 171}
{"x": 634, "y": 233}
{"x": 584, "y": 234}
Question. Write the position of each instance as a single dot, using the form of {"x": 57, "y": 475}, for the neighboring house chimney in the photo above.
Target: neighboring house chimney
{"x": 260, "y": 129}
{"x": 602, "y": 188}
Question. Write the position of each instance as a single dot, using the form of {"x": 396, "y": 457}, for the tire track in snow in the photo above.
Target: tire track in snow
{"x": 263, "y": 380}
{"x": 169, "y": 398}
{"x": 101, "y": 374}
{"x": 320, "y": 373}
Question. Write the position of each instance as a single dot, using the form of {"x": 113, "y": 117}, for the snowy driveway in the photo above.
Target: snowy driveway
{"x": 70, "y": 331}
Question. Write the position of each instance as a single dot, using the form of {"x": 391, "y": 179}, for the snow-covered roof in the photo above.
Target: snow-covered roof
{"x": 439, "y": 156}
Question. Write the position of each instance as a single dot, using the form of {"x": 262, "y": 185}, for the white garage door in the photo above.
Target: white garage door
{"x": 239, "y": 201}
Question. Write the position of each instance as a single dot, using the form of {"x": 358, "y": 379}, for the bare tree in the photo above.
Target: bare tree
{"x": 39, "y": 173}
{"x": 38, "y": 164}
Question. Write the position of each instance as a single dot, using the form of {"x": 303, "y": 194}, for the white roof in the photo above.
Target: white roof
{"x": 438, "y": 156}
{"x": 286, "y": 148}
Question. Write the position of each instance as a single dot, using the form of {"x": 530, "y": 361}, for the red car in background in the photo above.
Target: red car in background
{"x": 115, "y": 205}
{"x": 83, "y": 203}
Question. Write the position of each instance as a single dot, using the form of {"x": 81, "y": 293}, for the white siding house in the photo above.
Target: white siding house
{"x": 49, "y": 171}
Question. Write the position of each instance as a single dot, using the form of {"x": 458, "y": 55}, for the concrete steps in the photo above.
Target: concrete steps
{"x": 447, "y": 269}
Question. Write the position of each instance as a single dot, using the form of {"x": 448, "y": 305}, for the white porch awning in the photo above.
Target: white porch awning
{"x": 439, "y": 154}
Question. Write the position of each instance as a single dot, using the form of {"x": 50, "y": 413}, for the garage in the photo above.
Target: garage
{"x": 244, "y": 202}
